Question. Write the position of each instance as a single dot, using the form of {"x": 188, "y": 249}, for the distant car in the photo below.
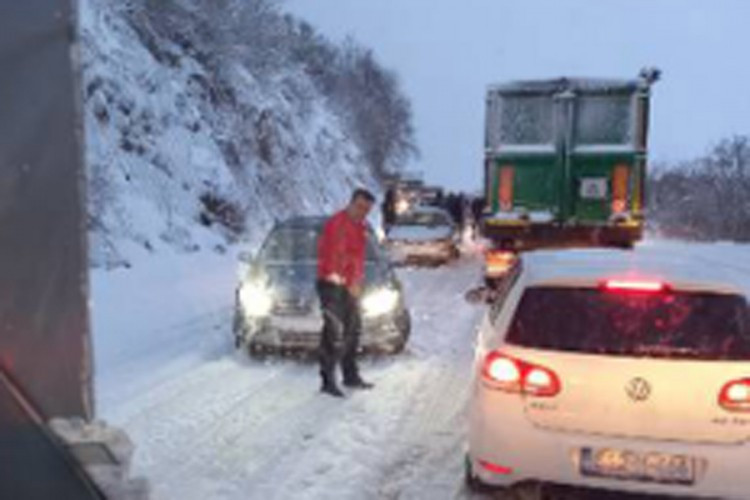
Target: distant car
{"x": 277, "y": 307}
{"x": 423, "y": 235}
{"x": 613, "y": 372}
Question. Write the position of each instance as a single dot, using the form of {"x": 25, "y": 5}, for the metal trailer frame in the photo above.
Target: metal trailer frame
{"x": 45, "y": 356}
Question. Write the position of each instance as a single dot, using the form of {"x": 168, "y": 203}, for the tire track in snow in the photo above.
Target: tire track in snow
{"x": 255, "y": 437}
{"x": 126, "y": 376}
{"x": 180, "y": 421}
{"x": 413, "y": 420}
{"x": 231, "y": 429}
{"x": 429, "y": 461}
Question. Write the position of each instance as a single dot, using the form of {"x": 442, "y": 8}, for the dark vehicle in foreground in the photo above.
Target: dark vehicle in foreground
{"x": 424, "y": 235}
{"x": 277, "y": 307}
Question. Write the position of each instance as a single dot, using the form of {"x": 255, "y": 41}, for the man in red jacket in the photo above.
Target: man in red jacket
{"x": 341, "y": 268}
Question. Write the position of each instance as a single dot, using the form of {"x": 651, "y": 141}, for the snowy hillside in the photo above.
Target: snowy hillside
{"x": 182, "y": 159}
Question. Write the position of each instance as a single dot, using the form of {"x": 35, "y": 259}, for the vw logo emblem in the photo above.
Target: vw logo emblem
{"x": 638, "y": 389}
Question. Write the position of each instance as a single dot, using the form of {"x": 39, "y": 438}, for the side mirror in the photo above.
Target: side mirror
{"x": 479, "y": 295}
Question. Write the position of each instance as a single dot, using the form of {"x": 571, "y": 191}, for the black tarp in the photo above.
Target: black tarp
{"x": 43, "y": 314}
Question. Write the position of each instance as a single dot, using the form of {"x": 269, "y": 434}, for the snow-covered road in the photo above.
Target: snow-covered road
{"x": 209, "y": 423}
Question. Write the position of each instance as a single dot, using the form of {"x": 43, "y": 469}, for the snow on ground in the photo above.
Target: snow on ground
{"x": 157, "y": 320}
{"x": 210, "y": 423}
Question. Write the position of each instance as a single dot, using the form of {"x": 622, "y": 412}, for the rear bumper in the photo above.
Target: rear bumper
{"x": 530, "y": 235}
{"x": 500, "y": 433}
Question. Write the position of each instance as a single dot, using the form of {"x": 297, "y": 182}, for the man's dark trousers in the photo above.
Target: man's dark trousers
{"x": 341, "y": 320}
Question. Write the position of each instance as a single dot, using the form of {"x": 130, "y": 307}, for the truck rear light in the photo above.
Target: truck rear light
{"x": 499, "y": 263}
{"x": 735, "y": 395}
{"x": 620, "y": 188}
{"x": 634, "y": 286}
{"x": 513, "y": 375}
{"x": 505, "y": 189}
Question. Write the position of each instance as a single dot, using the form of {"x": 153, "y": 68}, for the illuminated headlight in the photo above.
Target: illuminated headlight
{"x": 402, "y": 206}
{"x": 379, "y": 302}
{"x": 256, "y": 299}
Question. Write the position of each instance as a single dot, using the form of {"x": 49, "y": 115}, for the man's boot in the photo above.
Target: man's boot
{"x": 332, "y": 390}
{"x": 358, "y": 383}
{"x": 329, "y": 386}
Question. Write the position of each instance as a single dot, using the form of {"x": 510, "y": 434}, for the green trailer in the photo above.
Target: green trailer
{"x": 565, "y": 162}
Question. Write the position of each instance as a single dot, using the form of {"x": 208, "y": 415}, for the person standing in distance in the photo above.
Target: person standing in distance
{"x": 341, "y": 268}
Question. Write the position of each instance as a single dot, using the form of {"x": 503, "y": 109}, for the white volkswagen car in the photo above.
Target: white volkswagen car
{"x": 608, "y": 370}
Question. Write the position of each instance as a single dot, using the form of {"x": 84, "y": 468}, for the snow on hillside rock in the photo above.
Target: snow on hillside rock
{"x": 177, "y": 160}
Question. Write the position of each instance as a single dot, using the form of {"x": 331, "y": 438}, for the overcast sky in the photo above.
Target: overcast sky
{"x": 446, "y": 52}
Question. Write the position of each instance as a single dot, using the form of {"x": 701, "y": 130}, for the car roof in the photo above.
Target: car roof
{"x": 588, "y": 268}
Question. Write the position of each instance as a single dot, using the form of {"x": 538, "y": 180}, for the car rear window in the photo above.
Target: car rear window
{"x": 681, "y": 325}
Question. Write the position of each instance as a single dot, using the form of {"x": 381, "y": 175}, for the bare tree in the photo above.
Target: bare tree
{"x": 254, "y": 34}
{"x": 708, "y": 198}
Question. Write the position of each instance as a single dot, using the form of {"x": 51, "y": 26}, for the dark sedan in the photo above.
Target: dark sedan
{"x": 277, "y": 308}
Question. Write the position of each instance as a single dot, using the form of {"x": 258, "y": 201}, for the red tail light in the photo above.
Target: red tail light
{"x": 505, "y": 189}
{"x": 735, "y": 395}
{"x": 514, "y": 375}
{"x": 620, "y": 188}
{"x": 634, "y": 286}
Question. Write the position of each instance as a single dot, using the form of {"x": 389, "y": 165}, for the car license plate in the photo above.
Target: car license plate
{"x": 297, "y": 324}
{"x": 649, "y": 467}
{"x": 593, "y": 188}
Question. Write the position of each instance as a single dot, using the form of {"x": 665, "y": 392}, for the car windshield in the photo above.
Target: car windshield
{"x": 301, "y": 244}
{"x": 418, "y": 218}
{"x": 680, "y": 325}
